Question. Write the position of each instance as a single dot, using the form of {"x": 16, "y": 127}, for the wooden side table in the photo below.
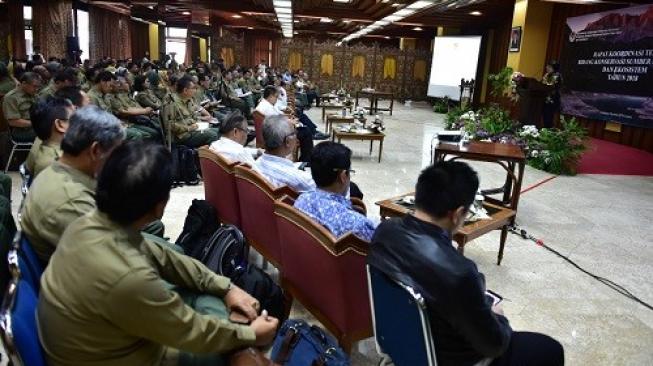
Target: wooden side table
{"x": 509, "y": 157}
{"x": 366, "y": 135}
{"x": 332, "y": 119}
{"x": 374, "y": 97}
{"x": 334, "y": 107}
{"x": 500, "y": 218}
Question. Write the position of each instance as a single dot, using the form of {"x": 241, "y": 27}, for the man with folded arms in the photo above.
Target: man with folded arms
{"x": 116, "y": 307}
{"x": 469, "y": 328}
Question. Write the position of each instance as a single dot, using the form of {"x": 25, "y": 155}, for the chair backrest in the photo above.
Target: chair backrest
{"x": 220, "y": 185}
{"x": 401, "y": 323}
{"x": 256, "y": 197}
{"x": 326, "y": 274}
{"x": 258, "y": 128}
{"x": 18, "y": 325}
{"x": 27, "y": 253}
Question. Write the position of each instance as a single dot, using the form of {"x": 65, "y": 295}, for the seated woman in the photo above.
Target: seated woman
{"x": 145, "y": 94}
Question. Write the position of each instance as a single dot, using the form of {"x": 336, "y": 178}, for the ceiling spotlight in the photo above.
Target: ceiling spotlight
{"x": 386, "y": 37}
{"x": 250, "y": 28}
{"x": 385, "y": 1}
{"x": 476, "y": 13}
{"x": 396, "y": 5}
{"x": 417, "y": 29}
{"x": 346, "y": 21}
{"x": 185, "y": 13}
{"x": 237, "y": 16}
{"x": 295, "y": 21}
{"x": 326, "y": 20}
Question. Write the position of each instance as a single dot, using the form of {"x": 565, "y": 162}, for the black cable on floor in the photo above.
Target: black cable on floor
{"x": 613, "y": 285}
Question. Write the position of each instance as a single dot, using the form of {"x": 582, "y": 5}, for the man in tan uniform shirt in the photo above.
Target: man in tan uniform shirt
{"x": 16, "y": 105}
{"x": 50, "y": 121}
{"x": 116, "y": 308}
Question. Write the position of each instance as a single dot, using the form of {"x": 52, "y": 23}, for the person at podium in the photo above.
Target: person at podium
{"x": 553, "y": 78}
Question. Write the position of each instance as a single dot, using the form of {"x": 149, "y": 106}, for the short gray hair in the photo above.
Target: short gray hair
{"x": 275, "y": 131}
{"x": 88, "y": 125}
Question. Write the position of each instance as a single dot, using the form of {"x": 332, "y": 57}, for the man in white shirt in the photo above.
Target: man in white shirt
{"x": 268, "y": 105}
{"x": 280, "y": 141}
{"x": 231, "y": 144}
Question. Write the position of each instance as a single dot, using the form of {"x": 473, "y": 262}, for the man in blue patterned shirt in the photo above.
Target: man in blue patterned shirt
{"x": 328, "y": 204}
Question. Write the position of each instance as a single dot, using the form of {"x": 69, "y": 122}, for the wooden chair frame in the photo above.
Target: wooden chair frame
{"x": 229, "y": 167}
{"x": 336, "y": 247}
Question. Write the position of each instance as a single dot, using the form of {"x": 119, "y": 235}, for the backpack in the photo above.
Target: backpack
{"x": 185, "y": 162}
{"x": 226, "y": 254}
{"x": 200, "y": 224}
{"x": 299, "y": 344}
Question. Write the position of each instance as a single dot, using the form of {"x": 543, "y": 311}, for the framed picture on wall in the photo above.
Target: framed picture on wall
{"x": 515, "y": 39}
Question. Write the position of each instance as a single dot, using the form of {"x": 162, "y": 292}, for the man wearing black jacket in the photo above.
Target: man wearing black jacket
{"x": 417, "y": 250}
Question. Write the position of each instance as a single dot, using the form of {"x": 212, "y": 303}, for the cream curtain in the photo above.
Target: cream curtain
{"x": 295, "y": 61}
{"x": 326, "y": 64}
{"x": 419, "y": 70}
{"x": 358, "y": 66}
{"x": 389, "y": 67}
{"x": 227, "y": 54}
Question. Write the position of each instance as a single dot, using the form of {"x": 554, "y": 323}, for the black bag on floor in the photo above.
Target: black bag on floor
{"x": 260, "y": 285}
{"x": 226, "y": 254}
{"x": 185, "y": 165}
{"x": 200, "y": 225}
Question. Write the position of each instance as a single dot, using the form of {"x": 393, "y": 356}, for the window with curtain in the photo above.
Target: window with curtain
{"x": 389, "y": 67}
{"x": 326, "y": 64}
{"x": 295, "y": 61}
{"x": 358, "y": 66}
{"x": 176, "y": 43}
{"x": 419, "y": 70}
{"x": 29, "y": 34}
{"x": 84, "y": 34}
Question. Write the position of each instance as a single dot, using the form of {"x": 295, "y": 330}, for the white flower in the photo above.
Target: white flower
{"x": 535, "y": 153}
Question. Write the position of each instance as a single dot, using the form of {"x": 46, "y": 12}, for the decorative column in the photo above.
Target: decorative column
{"x": 534, "y": 18}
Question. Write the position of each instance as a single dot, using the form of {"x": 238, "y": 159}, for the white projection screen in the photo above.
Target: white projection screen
{"x": 454, "y": 58}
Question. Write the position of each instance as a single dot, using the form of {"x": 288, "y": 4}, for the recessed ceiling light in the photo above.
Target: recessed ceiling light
{"x": 185, "y": 13}
{"x": 420, "y": 4}
{"x": 476, "y": 13}
{"x": 296, "y": 21}
{"x": 326, "y": 20}
{"x": 385, "y": 1}
{"x": 417, "y": 29}
{"x": 236, "y": 16}
{"x": 386, "y": 37}
{"x": 346, "y": 21}
{"x": 250, "y": 28}
{"x": 396, "y": 5}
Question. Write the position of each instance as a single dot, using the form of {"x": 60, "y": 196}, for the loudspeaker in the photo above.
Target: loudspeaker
{"x": 72, "y": 45}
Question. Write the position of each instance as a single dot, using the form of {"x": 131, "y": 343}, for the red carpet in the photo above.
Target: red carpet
{"x": 604, "y": 157}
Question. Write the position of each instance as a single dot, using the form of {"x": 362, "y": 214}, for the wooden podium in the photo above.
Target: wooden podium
{"x": 532, "y": 94}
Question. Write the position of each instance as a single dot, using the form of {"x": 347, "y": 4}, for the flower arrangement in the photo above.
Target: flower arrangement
{"x": 505, "y": 83}
{"x": 553, "y": 150}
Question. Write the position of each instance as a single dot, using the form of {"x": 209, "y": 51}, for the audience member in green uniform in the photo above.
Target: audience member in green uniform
{"x": 50, "y": 117}
{"x": 122, "y": 312}
{"x": 132, "y": 114}
{"x": 182, "y": 115}
{"x": 16, "y": 105}
{"x": 66, "y": 77}
{"x": 101, "y": 94}
{"x": 144, "y": 94}
{"x": 7, "y": 82}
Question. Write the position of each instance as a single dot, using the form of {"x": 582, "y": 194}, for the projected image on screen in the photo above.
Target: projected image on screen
{"x": 454, "y": 58}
